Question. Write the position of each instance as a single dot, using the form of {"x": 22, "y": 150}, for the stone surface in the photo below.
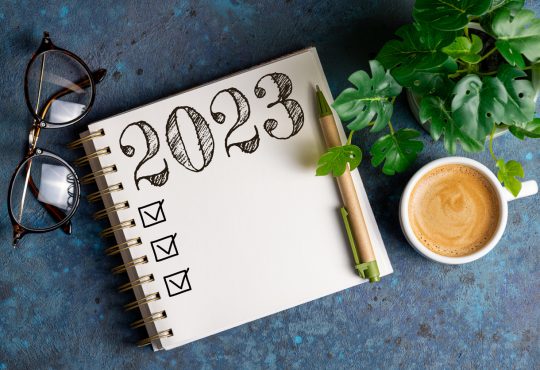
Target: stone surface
{"x": 58, "y": 303}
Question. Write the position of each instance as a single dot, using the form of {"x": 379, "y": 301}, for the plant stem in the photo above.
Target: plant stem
{"x": 491, "y": 143}
{"x": 488, "y": 54}
{"x": 391, "y": 128}
{"x": 349, "y": 139}
{"x": 466, "y": 30}
{"x": 487, "y": 73}
{"x": 527, "y": 68}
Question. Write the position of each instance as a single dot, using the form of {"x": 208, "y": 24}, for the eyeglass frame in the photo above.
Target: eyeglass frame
{"x": 39, "y": 122}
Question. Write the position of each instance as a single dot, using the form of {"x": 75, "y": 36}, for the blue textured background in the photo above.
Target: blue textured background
{"x": 58, "y": 304}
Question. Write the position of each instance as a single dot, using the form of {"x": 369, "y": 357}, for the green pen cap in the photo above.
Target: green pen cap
{"x": 370, "y": 271}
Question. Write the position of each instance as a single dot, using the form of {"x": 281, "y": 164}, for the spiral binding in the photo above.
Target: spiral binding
{"x": 117, "y": 248}
{"x": 135, "y": 283}
{"x": 145, "y": 300}
{"x": 91, "y": 136}
{"x": 87, "y": 158}
{"x": 162, "y": 334}
{"x": 91, "y": 177}
{"x": 99, "y": 215}
{"x": 94, "y": 197}
{"x": 147, "y": 320}
{"x": 120, "y": 247}
{"x": 112, "y": 229}
{"x": 125, "y": 266}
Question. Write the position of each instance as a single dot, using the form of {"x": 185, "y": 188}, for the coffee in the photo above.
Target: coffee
{"x": 454, "y": 210}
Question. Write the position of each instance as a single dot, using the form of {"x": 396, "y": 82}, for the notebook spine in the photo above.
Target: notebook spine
{"x": 91, "y": 159}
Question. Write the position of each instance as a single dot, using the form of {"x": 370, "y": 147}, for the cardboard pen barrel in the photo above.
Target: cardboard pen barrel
{"x": 349, "y": 196}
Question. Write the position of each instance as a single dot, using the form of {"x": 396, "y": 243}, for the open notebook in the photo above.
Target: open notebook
{"x": 215, "y": 206}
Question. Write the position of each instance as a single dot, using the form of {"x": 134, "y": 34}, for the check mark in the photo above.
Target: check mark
{"x": 165, "y": 247}
{"x": 152, "y": 214}
{"x": 152, "y": 217}
{"x": 167, "y": 251}
{"x": 181, "y": 284}
{"x": 178, "y": 283}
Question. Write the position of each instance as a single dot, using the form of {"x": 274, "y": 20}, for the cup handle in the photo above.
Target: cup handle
{"x": 528, "y": 188}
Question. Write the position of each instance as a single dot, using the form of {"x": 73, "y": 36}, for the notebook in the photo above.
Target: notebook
{"x": 214, "y": 203}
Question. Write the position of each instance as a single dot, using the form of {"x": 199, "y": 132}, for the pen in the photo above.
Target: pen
{"x": 352, "y": 214}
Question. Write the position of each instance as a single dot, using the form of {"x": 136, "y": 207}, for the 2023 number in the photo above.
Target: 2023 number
{"x": 205, "y": 139}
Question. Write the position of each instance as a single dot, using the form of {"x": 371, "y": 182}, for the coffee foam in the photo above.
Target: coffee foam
{"x": 454, "y": 210}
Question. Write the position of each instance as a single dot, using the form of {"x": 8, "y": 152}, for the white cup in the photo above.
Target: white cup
{"x": 504, "y": 196}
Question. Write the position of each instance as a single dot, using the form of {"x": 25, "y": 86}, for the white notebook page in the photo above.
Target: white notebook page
{"x": 255, "y": 231}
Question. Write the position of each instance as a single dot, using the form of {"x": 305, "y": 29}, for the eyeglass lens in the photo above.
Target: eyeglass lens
{"x": 44, "y": 192}
{"x": 58, "y": 87}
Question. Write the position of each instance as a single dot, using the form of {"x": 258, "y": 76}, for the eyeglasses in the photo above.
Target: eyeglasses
{"x": 44, "y": 191}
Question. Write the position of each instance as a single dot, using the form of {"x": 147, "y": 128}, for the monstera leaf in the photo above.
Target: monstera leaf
{"x": 520, "y": 107}
{"x": 508, "y": 174}
{"x": 418, "y": 50}
{"x": 478, "y": 105}
{"x": 432, "y": 82}
{"x": 462, "y": 48}
{"x": 530, "y": 129}
{"x": 443, "y": 124}
{"x": 448, "y": 15}
{"x": 398, "y": 150}
{"x": 517, "y": 33}
{"x": 335, "y": 160}
{"x": 498, "y": 4}
{"x": 370, "y": 99}
{"x": 487, "y": 19}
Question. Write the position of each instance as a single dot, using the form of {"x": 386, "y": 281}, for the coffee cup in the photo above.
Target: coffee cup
{"x": 471, "y": 201}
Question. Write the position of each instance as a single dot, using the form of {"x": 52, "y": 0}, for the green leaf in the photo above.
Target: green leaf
{"x": 434, "y": 82}
{"x": 530, "y": 129}
{"x": 478, "y": 105}
{"x": 418, "y": 50}
{"x": 508, "y": 173}
{"x": 462, "y": 48}
{"x": 497, "y": 5}
{"x": 398, "y": 150}
{"x": 443, "y": 124}
{"x": 448, "y": 15}
{"x": 370, "y": 99}
{"x": 509, "y": 4}
{"x": 335, "y": 160}
{"x": 520, "y": 106}
{"x": 517, "y": 33}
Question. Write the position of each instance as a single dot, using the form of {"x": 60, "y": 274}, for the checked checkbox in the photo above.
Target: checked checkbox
{"x": 165, "y": 247}
{"x": 152, "y": 214}
{"x": 177, "y": 283}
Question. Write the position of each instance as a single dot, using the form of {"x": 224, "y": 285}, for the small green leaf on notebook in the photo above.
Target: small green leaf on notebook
{"x": 335, "y": 160}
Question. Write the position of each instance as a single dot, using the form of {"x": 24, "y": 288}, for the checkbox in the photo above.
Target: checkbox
{"x": 177, "y": 283}
{"x": 152, "y": 214}
{"x": 165, "y": 247}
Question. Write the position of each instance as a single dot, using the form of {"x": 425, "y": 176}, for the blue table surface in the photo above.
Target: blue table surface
{"x": 58, "y": 303}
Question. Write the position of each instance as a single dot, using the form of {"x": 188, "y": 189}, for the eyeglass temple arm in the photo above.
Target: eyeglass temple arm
{"x": 57, "y": 214}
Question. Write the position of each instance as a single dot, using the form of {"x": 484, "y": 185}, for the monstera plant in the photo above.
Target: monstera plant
{"x": 468, "y": 64}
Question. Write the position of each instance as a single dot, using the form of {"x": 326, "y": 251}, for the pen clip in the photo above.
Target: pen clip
{"x": 366, "y": 270}
{"x": 360, "y": 267}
